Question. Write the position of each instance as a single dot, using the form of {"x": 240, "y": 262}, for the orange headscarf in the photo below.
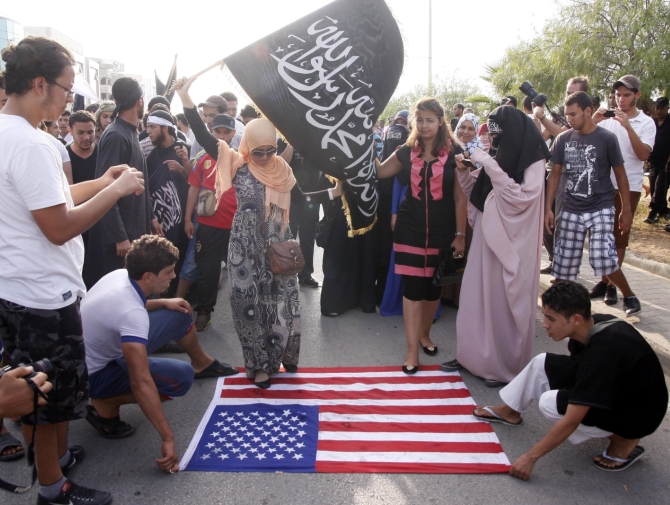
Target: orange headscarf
{"x": 276, "y": 176}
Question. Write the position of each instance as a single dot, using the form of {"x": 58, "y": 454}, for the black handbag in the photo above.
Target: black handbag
{"x": 449, "y": 269}
{"x": 324, "y": 228}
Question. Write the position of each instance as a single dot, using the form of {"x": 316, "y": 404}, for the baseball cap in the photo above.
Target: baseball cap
{"x": 509, "y": 99}
{"x": 630, "y": 81}
{"x": 403, "y": 114}
{"x": 223, "y": 121}
{"x": 214, "y": 101}
{"x": 662, "y": 101}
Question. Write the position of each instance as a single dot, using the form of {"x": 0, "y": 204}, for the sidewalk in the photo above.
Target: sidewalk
{"x": 652, "y": 290}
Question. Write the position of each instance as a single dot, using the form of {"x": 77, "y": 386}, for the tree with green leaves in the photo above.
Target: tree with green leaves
{"x": 601, "y": 39}
{"x": 448, "y": 91}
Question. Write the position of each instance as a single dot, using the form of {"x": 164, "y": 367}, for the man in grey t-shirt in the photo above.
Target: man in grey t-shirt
{"x": 587, "y": 154}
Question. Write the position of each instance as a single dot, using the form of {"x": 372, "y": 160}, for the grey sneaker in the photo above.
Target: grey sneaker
{"x": 450, "y": 366}
{"x": 74, "y": 494}
{"x": 631, "y": 305}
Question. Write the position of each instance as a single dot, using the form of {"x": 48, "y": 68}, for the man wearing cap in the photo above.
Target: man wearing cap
{"x": 168, "y": 168}
{"x": 636, "y": 133}
{"x": 658, "y": 164}
{"x": 131, "y": 217}
{"x": 212, "y": 232}
{"x": 210, "y": 108}
{"x": 509, "y": 100}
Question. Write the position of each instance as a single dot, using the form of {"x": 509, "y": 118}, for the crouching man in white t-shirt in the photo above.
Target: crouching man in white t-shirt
{"x": 122, "y": 327}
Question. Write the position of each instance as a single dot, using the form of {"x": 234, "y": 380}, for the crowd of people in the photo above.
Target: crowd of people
{"x": 115, "y": 223}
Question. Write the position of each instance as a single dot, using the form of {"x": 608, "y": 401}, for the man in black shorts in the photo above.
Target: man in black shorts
{"x": 42, "y": 254}
{"x": 610, "y": 386}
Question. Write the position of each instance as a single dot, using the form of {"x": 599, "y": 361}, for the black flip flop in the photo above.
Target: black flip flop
{"x": 112, "y": 428}
{"x": 217, "y": 369}
{"x": 634, "y": 456}
{"x": 494, "y": 418}
{"x": 8, "y": 440}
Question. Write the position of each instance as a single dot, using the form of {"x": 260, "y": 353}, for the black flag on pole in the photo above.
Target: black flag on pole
{"x": 162, "y": 89}
{"x": 323, "y": 81}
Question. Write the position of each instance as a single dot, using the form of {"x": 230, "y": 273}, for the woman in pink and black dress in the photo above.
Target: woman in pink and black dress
{"x": 495, "y": 334}
{"x": 431, "y": 217}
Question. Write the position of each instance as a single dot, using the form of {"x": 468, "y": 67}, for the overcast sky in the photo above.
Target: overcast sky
{"x": 146, "y": 35}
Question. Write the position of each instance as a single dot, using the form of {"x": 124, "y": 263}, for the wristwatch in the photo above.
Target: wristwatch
{"x": 460, "y": 234}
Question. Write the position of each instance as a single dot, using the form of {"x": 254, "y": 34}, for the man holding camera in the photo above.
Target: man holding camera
{"x": 636, "y": 133}
{"x": 42, "y": 254}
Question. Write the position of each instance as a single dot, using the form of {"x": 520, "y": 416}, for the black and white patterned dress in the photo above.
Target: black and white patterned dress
{"x": 265, "y": 306}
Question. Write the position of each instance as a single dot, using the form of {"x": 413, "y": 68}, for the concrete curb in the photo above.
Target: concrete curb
{"x": 651, "y": 266}
{"x": 663, "y": 355}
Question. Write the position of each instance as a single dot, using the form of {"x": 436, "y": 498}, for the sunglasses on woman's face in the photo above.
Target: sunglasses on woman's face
{"x": 259, "y": 153}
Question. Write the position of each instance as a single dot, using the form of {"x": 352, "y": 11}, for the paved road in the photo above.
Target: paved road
{"x": 566, "y": 476}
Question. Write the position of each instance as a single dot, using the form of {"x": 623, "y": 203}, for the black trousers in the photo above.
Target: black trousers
{"x": 302, "y": 220}
{"x": 658, "y": 182}
{"x": 211, "y": 247}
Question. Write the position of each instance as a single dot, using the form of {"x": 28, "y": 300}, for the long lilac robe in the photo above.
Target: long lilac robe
{"x": 495, "y": 326}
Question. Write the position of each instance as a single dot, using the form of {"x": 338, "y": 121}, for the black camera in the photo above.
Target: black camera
{"x": 43, "y": 365}
{"x": 538, "y": 99}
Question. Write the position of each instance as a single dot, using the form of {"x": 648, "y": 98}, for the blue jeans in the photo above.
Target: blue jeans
{"x": 172, "y": 377}
{"x": 189, "y": 270}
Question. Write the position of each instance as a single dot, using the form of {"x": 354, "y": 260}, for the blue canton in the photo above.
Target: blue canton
{"x": 258, "y": 438}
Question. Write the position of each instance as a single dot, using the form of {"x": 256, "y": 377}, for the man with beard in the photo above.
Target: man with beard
{"x": 131, "y": 217}
{"x": 168, "y": 169}
{"x": 82, "y": 151}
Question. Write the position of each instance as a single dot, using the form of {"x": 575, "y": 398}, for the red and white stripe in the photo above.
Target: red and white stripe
{"x": 380, "y": 420}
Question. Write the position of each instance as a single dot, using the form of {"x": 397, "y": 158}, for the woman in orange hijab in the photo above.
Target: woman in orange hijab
{"x": 265, "y": 306}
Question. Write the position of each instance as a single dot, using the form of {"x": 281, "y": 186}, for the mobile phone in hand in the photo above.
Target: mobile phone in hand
{"x": 468, "y": 163}
{"x": 608, "y": 113}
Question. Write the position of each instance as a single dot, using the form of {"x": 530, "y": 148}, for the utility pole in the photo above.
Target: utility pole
{"x": 430, "y": 47}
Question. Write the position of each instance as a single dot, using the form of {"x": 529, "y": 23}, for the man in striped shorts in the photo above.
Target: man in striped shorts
{"x": 587, "y": 154}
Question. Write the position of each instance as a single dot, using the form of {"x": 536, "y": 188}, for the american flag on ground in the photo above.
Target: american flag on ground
{"x": 352, "y": 420}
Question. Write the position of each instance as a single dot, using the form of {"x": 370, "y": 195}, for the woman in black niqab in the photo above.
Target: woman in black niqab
{"x": 516, "y": 144}
{"x": 495, "y": 325}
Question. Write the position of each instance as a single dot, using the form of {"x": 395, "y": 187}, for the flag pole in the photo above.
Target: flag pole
{"x": 430, "y": 47}
{"x": 168, "y": 83}
{"x": 219, "y": 63}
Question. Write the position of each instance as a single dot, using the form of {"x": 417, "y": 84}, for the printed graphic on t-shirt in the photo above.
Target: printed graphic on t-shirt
{"x": 167, "y": 207}
{"x": 580, "y": 166}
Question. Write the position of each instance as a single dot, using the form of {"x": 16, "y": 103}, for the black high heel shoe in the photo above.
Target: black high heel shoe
{"x": 430, "y": 351}
{"x": 290, "y": 368}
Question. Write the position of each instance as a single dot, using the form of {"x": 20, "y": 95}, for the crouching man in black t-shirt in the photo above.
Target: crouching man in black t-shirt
{"x": 611, "y": 385}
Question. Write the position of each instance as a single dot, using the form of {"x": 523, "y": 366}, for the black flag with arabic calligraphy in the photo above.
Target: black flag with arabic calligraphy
{"x": 323, "y": 81}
